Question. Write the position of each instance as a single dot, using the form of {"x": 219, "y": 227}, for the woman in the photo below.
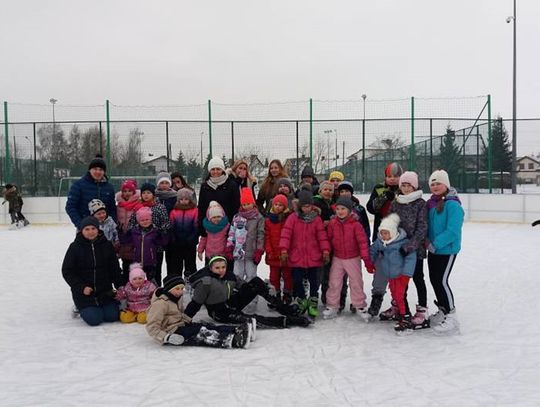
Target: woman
{"x": 241, "y": 175}
{"x": 270, "y": 186}
{"x": 93, "y": 185}
{"x": 219, "y": 187}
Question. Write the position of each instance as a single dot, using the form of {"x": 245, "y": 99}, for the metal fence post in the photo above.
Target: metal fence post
{"x": 363, "y": 157}
{"x": 311, "y": 132}
{"x": 477, "y": 157}
{"x": 167, "y": 145}
{"x": 297, "y": 156}
{"x": 210, "y": 127}
{"x": 35, "y": 158}
{"x": 232, "y": 143}
{"x": 6, "y": 138}
{"x": 490, "y": 150}
{"x": 412, "y": 152}
{"x": 108, "y": 152}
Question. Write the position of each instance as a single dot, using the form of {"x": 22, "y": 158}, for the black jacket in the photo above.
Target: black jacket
{"x": 227, "y": 195}
{"x": 379, "y": 205}
{"x": 91, "y": 264}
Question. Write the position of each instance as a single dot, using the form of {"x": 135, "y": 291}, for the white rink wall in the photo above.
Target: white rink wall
{"x": 519, "y": 208}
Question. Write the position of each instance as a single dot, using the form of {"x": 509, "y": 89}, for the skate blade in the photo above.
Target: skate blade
{"x": 421, "y": 326}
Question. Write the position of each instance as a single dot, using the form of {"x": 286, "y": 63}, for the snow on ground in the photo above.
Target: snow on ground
{"x": 47, "y": 358}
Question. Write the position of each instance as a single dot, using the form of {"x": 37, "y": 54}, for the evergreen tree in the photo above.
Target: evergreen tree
{"x": 501, "y": 149}
{"x": 181, "y": 164}
{"x": 450, "y": 158}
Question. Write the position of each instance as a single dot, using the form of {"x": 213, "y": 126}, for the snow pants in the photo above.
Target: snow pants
{"x": 246, "y": 270}
{"x": 275, "y": 278}
{"x": 398, "y": 286}
{"x": 353, "y": 269}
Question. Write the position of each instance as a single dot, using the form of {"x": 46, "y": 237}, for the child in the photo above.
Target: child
{"x": 246, "y": 239}
{"x": 385, "y": 253}
{"x": 225, "y": 296}
{"x": 349, "y": 244}
{"x": 286, "y": 188}
{"x": 146, "y": 239}
{"x": 164, "y": 191}
{"x": 15, "y": 204}
{"x": 168, "y": 324}
{"x": 379, "y": 204}
{"x": 182, "y": 250}
{"x": 335, "y": 178}
{"x": 411, "y": 209}
{"x": 127, "y": 202}
{"x": 98, "y": 210}
{"x": 304, "y": 247}
{"x": 138, "y": 293}
{"x": 216, "y": 225}
{"x": 445, "y": 221}
{"x": 90, "y": 268}
{"x": 275, "y": 219}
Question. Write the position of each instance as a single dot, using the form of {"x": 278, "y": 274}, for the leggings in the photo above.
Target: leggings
{"x": 440, "y": 266}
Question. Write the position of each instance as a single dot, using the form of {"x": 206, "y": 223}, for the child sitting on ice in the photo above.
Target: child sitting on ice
{"x": 217, "y": 226}
{"x": 106, "y": 224}
{"x": 138, "y": 293}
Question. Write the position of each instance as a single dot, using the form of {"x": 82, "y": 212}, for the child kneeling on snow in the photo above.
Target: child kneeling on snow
{"x": 385, "y": 253}
{"x": 138, "y": 293}
{"x": 167, "y": 323}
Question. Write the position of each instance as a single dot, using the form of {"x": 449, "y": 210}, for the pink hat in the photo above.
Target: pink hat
{"x": 409, "y": 177}
{"x": 282, "y": 199}
{"x": 214, "y": 209}
{"x": 129, "y": 184}
{"x": 135, "y": 270}
{"x": 143, "y": 214}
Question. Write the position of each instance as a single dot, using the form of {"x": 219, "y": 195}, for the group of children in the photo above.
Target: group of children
{"x": 308, "y": 239}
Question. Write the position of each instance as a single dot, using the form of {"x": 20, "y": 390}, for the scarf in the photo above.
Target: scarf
{"x": 277, "y": 217}
{"x": 407, "y": 199}
{"x": 134, "y": 205}
{"x": 148, "y": 204}
{"x": 215, "y": 182}
{"x": 251, "y": 214}
{"x": 437, "y": 201}
{"x": 213, "y": 228}
{"x": 164, "y": 195}
{"x": 308, "y": 217}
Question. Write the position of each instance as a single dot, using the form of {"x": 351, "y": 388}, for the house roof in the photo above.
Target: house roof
{"x": 526, "y": 157}
{"x": 161, "y": 157}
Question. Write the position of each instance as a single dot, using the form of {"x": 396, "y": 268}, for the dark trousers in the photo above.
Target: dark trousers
{"x": 96, "y": 315}
{"x": 191, "y": 335}
{"x": 440, "y": 266}
{"x": 16, "y": 216}
{"x": 181, "y": 259}
{"x": 420, "y": 283}
{"x": 312, "y": 274}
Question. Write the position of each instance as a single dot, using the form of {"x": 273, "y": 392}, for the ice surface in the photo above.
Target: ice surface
{"x": 48, "y": 358}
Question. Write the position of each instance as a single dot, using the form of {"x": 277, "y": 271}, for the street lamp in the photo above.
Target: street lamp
{"x": 514, "y": 124}
{"x": 53, "y": 102}
{"x": 364, "y": 96}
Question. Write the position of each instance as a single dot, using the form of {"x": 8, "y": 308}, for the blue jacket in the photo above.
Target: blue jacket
{"x": 389, "y": 261}
{"x": 83, "y": 191}
{"x": 444, "y": 229}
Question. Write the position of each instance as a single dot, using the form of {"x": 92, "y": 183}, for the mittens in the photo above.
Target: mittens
{"x": 257, "y": 255}
{"x": 283, "y": 258}
{"x": 390, "y": 195}
{"x": 174, "y": 339}
{"x": 326, "y": 257}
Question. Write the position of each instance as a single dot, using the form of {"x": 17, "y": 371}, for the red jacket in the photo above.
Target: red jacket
{"x": 305, "y": 241}
{"x": 273, "y": 225}
{"x": 348, "y": 239}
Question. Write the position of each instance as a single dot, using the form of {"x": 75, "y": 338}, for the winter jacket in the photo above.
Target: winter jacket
{"x": 305, "y": 240}
{"x": 255, "y": 232}
{"x": 325, "y": 206}
{"x": 184, "y": 227}
{"x": 389, "y": 261}
{"x": 91, "y": 264}
{"x": 138, "y": 299}
{"x": 412, "y": 213}
{"x": 348, "y": 238}
{"x": 210, "y": 290}
{"x": 108, "y": 227}
{"x": 267, "y": 192}
{"x": 14, "y": 199}
{"x": 124, "y": 209}
{"x": 273, "y": 225}
{"x": 444, "y": 229}
{"x": 227, "y": 195}
{"x": 215, "y": 241}
{"x": 164, "y": 316}
{"x": 145, "y": 244}
{"x": 160, "y": 217}
{"x": 83, "y": 191}
{"x": 379, "y": 205}
{"x": 167, "y": 198}
{"x": 360, "y": 211}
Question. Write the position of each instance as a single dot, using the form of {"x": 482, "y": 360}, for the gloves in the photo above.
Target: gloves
{"x": 257, "y": 255}
{"x": 174, "y": 339}
{"x": 229, "y": 253}
{"x": 403, "y": 252}
{"x": 370, "y": 267}
{"x": 430, "y": 248}
{"x": 390, "y": 195}
{"x": 283, "y": 258}
{"x": 326, "y": 257}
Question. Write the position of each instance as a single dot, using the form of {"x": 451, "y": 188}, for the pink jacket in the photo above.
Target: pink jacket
{"x": 348, "y": 239}
{"x": 124, "y": 209}
{"x": 214, "y": 243}
{"x": 138, "y": 299}
{"x": 305, "y": 241}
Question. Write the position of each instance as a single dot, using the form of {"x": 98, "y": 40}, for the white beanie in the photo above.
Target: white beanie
{"x": 440, "y": 176}
{"x": 390, "y": 223}
{"x": 216, "y": 162}
{"x": 214, "y": 209}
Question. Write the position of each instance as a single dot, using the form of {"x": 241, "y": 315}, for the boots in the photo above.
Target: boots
{"x": 391, "y": 314}
{"x": 403, "y": 326}
{"x": 302, "y": 304}
{"x": 438, "y": 317}
{"x": 330, "y": 313}
{"x": 274, "y": 300}
{"x": 375, "y": 306}
{"x": 241, "y": 338}
{"x": 449, "y": 325}
{"x": 313, "y": 310}
{"x": 420, "y": 320}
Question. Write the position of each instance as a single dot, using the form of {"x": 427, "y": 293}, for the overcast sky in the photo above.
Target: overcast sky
{"x": 180, "y": 52}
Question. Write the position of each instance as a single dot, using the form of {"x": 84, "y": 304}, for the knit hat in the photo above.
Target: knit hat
{"x": 214, "y": 209}
{"x": 393, "y": 170}
{"x": 216, "y": 162}
{"x": 409, "y": 177}
{"x": 286, "y": 181}
{"x": 440, "y": 176}
{"x": 345, "y": 201}
{"x": 163, "y": 176}
{"x": 390, "y": 223}
{"x": 307, "y": 172}
{"x": 282, "y": 199}
{"x": 143, "y": 213}
{"x": 136, "y": 270}
{"x": 345, "y": 186}
{"x": 186, "y": 193}
{"x": 96, "y": 205}
{"x": 326, "y": 184}
{"x": 217, "y": 258}
{"x": 305, "y": 198}
{"x": 97, "y": 162}
{"x": 172, "y": 281}
{"x": 129, "y": 184}
{"x": 336, "y": 175}
{"x": 148, "y": 187}
{"x": 246, "y": 196}
{"x": 89, "y": 221}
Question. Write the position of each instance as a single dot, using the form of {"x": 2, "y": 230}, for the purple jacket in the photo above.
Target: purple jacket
{"x": 145, "y": 243}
